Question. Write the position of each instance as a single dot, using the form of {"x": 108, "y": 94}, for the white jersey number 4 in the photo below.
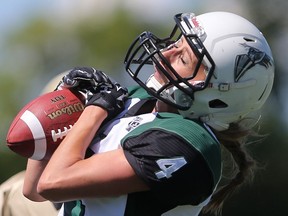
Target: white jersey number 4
{"x": 169, "y": 166}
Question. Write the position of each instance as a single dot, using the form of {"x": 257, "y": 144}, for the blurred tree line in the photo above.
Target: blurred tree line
{"x": 39, "y": 50}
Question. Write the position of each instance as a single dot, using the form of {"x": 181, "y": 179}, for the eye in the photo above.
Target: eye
{"x": 182, "y": 59}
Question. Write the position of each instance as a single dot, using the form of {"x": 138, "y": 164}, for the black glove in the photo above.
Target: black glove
{"x": 111, "y": 97}
{"x": 85, "y": 79}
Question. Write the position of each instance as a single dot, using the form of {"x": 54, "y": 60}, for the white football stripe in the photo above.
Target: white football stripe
{"x": 37, "y": 131}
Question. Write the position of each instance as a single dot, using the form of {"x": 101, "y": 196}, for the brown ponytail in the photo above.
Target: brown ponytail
{"x": 243, "y": 165}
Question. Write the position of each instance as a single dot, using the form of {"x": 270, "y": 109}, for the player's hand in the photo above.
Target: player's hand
{"x": 111, "y": 97}
{"x": 84, "y": 79}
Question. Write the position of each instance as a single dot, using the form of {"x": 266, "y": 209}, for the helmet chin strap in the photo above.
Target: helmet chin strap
{"x": 170, "y": 93}
{"x": 153, "y": 83}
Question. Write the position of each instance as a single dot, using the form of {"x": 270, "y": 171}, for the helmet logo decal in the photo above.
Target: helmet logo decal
{"x": 246, "y": 61}
{"x": 195, "y": 22}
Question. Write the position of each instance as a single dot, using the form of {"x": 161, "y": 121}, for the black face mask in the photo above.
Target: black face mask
{"x": 145, "y": 53}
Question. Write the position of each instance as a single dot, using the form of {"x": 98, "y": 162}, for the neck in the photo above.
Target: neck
{"x": 163, "y": 107}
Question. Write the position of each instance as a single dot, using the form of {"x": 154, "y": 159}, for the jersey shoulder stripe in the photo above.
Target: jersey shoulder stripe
{"x": 138, "y": 92}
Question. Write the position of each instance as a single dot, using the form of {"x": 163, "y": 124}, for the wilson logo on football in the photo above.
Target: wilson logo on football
{"x": 77, "y": 107}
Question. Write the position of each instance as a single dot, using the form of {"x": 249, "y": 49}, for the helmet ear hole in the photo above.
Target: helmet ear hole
{"x": 217, "y": 104}
{"x": 249, "y": 39}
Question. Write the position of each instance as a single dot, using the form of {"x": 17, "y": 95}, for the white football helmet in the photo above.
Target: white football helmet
{"x": 238, "y": 62}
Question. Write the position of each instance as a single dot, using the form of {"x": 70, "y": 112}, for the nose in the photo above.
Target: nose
{"x": 171, "y": 52}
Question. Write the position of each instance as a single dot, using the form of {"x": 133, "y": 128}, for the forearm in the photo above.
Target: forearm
{"x": 71, "y": 150}
{"x": 33, "y": 172}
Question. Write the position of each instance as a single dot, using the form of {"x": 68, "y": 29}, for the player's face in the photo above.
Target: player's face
{"x": 182, "y": 59}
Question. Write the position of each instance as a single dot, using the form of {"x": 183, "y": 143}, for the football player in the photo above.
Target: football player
{"x": 157, "y": 149}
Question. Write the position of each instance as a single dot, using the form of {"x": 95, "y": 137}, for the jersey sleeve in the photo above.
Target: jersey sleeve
{"x": 169, "y": 165}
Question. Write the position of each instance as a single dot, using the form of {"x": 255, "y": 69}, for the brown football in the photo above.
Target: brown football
{"x": 41, "y": 125}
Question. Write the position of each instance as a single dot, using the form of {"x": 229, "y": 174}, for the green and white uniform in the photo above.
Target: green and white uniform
{"x": 178, "y": 158}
